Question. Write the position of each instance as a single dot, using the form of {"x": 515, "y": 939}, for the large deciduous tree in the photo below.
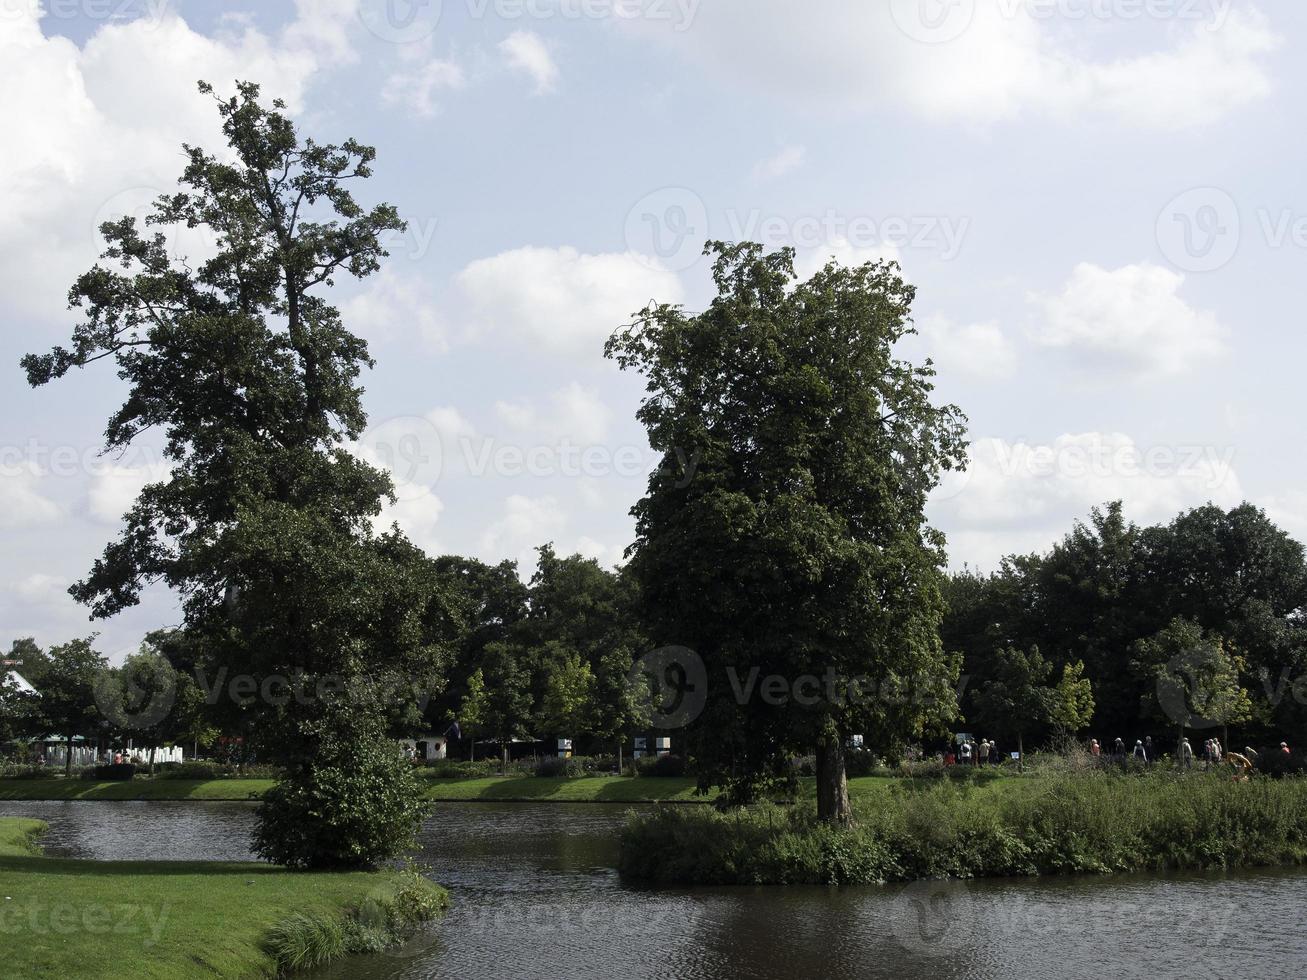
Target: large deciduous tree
{"x": 797, "y": 544}
{"x": 264, "y": 524}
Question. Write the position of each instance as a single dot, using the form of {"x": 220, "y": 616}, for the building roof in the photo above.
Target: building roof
{"x": 19, "y": 682}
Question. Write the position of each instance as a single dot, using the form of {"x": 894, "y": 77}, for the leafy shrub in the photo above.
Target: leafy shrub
{"x": 1096, "y": 823}
{"x": 805, "y": 766}
{"x": 356, "y": 804}
{"x": 31, "y": 772}
{"x": 194, "y": 770}
{"x": 598, "y": 764}
{"x": 559, "y": 768}
{"x": 460, "y": 769}
{"x": 660, "y": 765}
{"x": 114, "y": 772}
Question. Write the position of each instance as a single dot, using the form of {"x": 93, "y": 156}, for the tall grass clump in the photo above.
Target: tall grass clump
{"x": 1093, "y": 822}
{"x": 305, "y": 940}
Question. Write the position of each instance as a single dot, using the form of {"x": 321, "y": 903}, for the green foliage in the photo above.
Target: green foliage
{"x": 1196, "y": 679}
{"x": 1020, "y": 695}
{"x": 661, "y": 766}
{"x": 305, "y": 940}
{"x": 1094, "y": 823}
{"x": 785, "y": 529}
{"x": 354, "y": 805}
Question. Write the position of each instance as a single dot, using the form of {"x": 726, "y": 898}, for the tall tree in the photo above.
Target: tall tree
{"x": 264, "y": 524}
{"x": 68, "y": 707}
{"x": 498, "y": 701}
{"x": 1022, "y": 695}
{"x": 797, "y": 544}
{"x": 1194, "y": 679}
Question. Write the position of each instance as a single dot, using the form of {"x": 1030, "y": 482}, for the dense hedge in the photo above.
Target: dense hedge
{"x": 1096, "y": 822}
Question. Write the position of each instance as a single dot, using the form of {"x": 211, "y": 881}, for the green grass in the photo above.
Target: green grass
{"x": 136, "y": 789}
{"x": 64, "y": 918}
{"x": 593, "y": 789}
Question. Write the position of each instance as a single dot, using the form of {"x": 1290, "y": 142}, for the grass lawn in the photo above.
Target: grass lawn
{"x": 505, "y": 789}
{"x": 137, "y": 789}
{"x": 64, "y": 918}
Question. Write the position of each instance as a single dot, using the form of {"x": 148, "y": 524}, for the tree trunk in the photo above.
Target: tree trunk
{"x": 503, "y": 759}
{"x": 619, "y": 757}
{"x": 1021, "y": 754}
{"x": 153, "y": 749}
{"x": 832, "y": 782}
{"x": 68, "y": 760}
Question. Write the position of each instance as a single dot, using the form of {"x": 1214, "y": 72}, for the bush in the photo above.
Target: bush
{"x": 1095, "y": 823}
{"x": 660, "y": 766}
{"x": 356, "y": 804}
{"x": 193, "y": 770}
{"x": 30, "y": 772}
{"x": 559, "y": 768}
{"x": 119, "y": 772}
{"x": 458, "y": 769}
{"x": 305, "y": 940}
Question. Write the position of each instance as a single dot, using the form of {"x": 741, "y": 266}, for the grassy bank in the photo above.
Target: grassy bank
{"x": 136, "y": 789}
{"x": 64, "y": 918}
{"x": 1095, "y": 823}
{"x": 595, "y": 789}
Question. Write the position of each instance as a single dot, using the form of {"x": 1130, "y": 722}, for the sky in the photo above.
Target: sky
{"x": 1099, "y": 201}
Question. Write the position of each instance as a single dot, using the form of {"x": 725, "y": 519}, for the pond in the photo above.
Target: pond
{"x": 535, "y": 895}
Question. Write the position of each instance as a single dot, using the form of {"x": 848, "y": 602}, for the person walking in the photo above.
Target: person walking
{"x": 1149, "y": 754}
{"x": 984, "y": 751}
{"x": 1140, "y": 754}
{"x": 1284, "y": 748}
{"x": 1186, "y": 754}
{"x": 965, "y": 753}
{"x": 1118, "y": 750}
{"x": 1095, "y": 749}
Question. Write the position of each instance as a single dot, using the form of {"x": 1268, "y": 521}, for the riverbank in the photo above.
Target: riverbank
{"x": 1090, "y": 823}
{"x": 499, "y": 789}
{"x": 110, "y": 920}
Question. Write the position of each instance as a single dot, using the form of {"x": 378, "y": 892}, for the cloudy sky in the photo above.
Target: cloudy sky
{"x": 1100, "y": 201}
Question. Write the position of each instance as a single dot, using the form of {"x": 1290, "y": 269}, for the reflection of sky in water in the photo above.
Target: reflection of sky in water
{"x": 535, "y": 896}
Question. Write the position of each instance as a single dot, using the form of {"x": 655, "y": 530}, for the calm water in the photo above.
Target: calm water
{"x": 535, "y": 896}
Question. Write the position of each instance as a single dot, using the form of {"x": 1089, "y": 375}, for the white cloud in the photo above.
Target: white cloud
{"x": 980, "y": 350}
{"x": 560, "y": 299}
{"x": 115, "y": 488}
{"x": 1131, "y": 318}
{"x": 786, "y": 161}
{"x": 1289, "y": 511}
{"x": 811, "y": 261}
{"x": 395, "y": 307}
{"x": 418, "y": 516}
{"x": 42, "y": 589}
{"x": 417, "y": 88}
{"x": 984, "y": 62}
{"x": 575, "y": 414}
{"x": 525, "y": 51}
{"x": 525, "y": 524}
{"x": 85, "y": 126}
{"x": 21, "y": 502}
{"x": 1015, "y": 497}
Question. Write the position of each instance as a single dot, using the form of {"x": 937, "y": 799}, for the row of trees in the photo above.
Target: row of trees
{"x": 1198, "y": 622}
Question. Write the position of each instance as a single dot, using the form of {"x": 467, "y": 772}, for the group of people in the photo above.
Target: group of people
{"x": 1143, "y": 750}
{"x": 983, "y": 754}
{"x": 1213, "y": 752}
